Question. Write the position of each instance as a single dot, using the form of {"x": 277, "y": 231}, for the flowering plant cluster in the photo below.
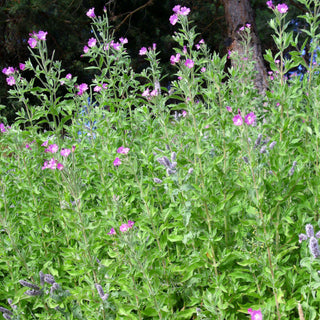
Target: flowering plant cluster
{"x": 218, "y": 187}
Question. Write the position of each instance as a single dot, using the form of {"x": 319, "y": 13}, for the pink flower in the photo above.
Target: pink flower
{"x": 97, "y": 89}
{"x": 241, "y": 29}
{"x": 60, "y": 166}
{"x": 32, "y": 42}
{"x": 229, "y": 108}
{"x": 11, "y": 81}
{"x": 41, "y": 35}
{"x": 8, "y": 71}
{"x": 154, "y": 93}
{"x": 173, "y": 19}
{"x": 176, "y": 8}
{"x": 175, "y": 59}
{"x": 237, "y": 120}
{"x": 92, "y": 42}
{"x": 146, "y": 93}
{"x": 51, "y": 164}
{"x": 250, "y": 118}
{"x": 45, "y": 144}
{"x": 130, "y": 223}
{"x": 282, "y": 8}
{"x": 270, "y": 4}
{"x": 189, "y": 63}
{"x": 123, "y": 150}
{"x": 69, "y": 76}
{"x": 90, "y": 13}
{"x": 184, "y": 11}
{"x": 123, "y": 40}
{"x": 184, "y": 113}
{"x": 248, "y": 25}
{"x": 2, "y": 128}
{"x": 22, "y": 66}
{"x": 65, "y": 152}
{"x": 85, "y": 49}
{"x": 53, "y": 148}
{"x": 111, "y": 232}
{"x": 203, "y": 69}
{"x": 255, "y": 314}
{"x": 124, "y": 227}
{"x": 116, "y": 162}
{"x": 82, "y": 88}
{"x": 143, "y": 51}
{"x": 115, "y": 45}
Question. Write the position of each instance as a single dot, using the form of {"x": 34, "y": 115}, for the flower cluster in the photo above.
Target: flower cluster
{"x": 178, "y": 10}
{"x": 123, "y": 228}
{"x": 281, "y": 7}
{"x": 53, "y": 163}
{"x": 249, "y": 119}
{"x": 35, "y": 37}
{"x": 313, "y": 242}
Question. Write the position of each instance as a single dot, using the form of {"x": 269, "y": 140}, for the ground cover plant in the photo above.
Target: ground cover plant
{"x": 138, "y": 202}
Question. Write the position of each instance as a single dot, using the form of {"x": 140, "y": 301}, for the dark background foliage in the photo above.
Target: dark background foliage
{"x": 143, "y": 22}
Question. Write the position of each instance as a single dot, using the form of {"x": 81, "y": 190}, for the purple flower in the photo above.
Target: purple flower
{"x": 82, "y": 88}
{"x": 282, "y": 7}
{"x": 90, "y": 13}
{"x": 255, "y": 314}
{"x": 130, "y": 223}
{"x": 250, "y": 118}
{"x": 11, "y": 81}
{"x": 175, "y": 59}
{"x": 32, "y": 42}
{"x": 270, "y": 4}
{"x": 85, "y": 49}
{"x": 314, "y": 247}
{"x": 143, "y": 51}
{"x": 124, "y": 227}
{"x": 41, "y": 35}
{"x": 116, "y": 162}
{"x": 176, "y": 9}
{"x": 302, "y": 237}
{"x": 60, "y": 166}
{"x": 8, "y": 71}
{"x": 184, "y": 11}
{"x": 2, "y": 128}
{"x": 189, "y": 63}
{"x": 111, "y": 232}
{"x": 309, "y": 230}
{"x": 237, "y": 120}
{"x": 53, "y": 148}
{"x": 92, "y": 42}
{"x": 65, "y": 152}
{"x": 22, "y": 66}
{"x": 123, "y": 150}
{"x": 173, "y": 19}
{"x": 123, "y": 40}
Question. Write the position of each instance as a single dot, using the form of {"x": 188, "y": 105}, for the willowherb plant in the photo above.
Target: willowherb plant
{"x": 133, "y": 231}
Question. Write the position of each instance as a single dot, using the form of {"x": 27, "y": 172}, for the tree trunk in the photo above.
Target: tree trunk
{"x": 238, "y": 13}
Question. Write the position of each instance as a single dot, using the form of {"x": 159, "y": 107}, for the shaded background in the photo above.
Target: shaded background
{"x": 143, "y": 22}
